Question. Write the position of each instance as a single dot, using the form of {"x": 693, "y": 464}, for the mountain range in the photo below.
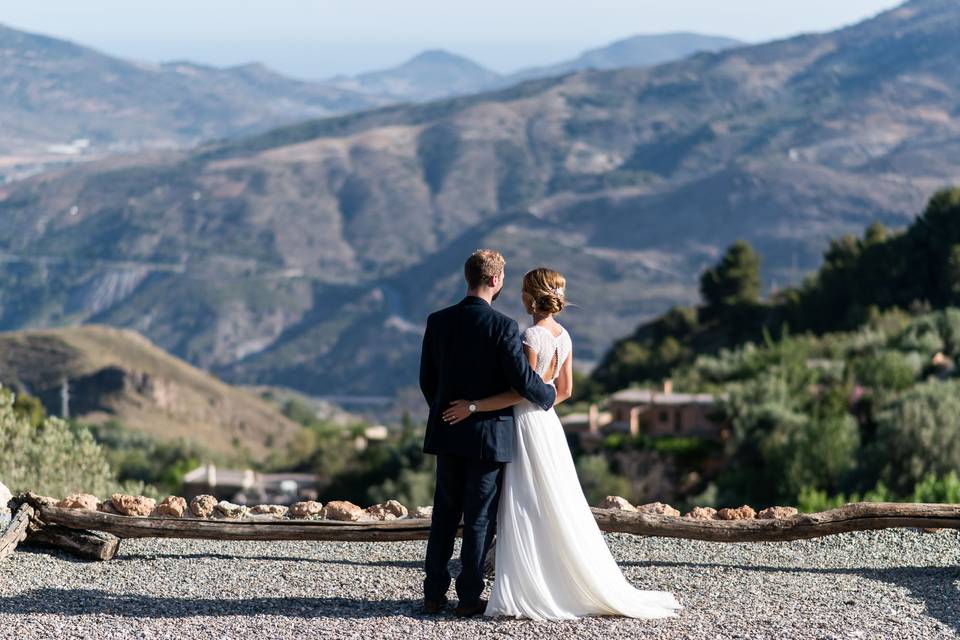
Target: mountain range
{"x": 61, "y": 102}
{"x": 637, "y": 51}
{"x": 308, "y": 256}
{"x": 440, "y": 74}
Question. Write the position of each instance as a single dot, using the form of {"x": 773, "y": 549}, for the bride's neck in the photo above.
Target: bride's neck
{"x": 540, "y": 317}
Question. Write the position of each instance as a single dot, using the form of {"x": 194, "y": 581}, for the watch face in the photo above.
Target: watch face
{"x": 472, "y": 408}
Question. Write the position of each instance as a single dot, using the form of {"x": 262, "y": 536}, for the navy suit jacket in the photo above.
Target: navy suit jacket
{"x": 471, "y": 352}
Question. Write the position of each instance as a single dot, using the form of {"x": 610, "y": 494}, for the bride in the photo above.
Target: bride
{"x": 552, "y": 562}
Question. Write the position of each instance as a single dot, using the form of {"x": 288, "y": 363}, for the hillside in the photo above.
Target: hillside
{"x": 904, "y": 270}
{"x": 636, "y": 51}
{"x": 116, "y": 374}
{"x": 60, "y": 101}
{"x": 309, "y": 256}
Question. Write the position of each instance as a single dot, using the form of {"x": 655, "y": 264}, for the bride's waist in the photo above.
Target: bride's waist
{"x": 526, "y": 405}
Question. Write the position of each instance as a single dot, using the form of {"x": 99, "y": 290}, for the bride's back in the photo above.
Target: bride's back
{"x": 552, "y": 350}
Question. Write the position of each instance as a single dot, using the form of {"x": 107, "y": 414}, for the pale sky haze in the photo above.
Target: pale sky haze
{"x": 321, "y": 38}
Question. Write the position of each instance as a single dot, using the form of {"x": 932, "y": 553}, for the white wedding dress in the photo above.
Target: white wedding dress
{"x": 552, "y": 562}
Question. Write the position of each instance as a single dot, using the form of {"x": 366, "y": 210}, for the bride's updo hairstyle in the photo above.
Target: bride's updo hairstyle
{"x": 547, "y": 290}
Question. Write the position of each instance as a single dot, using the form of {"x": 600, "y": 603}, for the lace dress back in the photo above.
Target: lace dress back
{"x": 552, "y": 351}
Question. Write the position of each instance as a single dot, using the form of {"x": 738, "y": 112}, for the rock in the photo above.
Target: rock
{"x": 423, "y": 513}
{"x": 777, "y": 513}
{"x": 389, "y": 510}
{"x": 306, "y": 509}
{"x": 171, "y": 507}
{"x": 701, "y": 513}
{"x": 5, "y": 497}
{"x": 274, "y": 510}
{"x": 229, "y": 510}
{"x": 659, "y": 508}
{"x": 107, "y": 507}
{"x": 379, "y": 512}
{"x": 343, "y": 511}
{"x": 202, "y": 506}
{"x": 396, "y": 508}
{"x": 745, "y": 512}
{"x": 617, "y": 503}
{"x": 80, "y": 501}
{"x": 133, "y": 505}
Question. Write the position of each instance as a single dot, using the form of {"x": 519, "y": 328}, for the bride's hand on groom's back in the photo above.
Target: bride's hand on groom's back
{"x": 458, "y": 411}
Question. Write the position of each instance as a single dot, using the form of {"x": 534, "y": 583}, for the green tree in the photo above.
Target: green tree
{"x": 953, "y": 274}
{"x": 787, "y": 434}
{"x": 31, "y": 408}
{"x": 875, "y": 234}
{"x": 824, "y": 452}
{"x": 735, "y": 280}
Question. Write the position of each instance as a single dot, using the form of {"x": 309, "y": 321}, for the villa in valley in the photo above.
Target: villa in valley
{"x": 655, "y": 413}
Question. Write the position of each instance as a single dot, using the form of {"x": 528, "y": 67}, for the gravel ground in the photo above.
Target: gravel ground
{"x": 891, "y": 584}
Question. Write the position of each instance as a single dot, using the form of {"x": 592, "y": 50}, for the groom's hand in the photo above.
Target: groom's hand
{"x": 458, "y": 411}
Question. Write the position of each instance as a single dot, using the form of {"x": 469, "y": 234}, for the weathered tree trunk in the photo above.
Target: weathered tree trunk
{"x": 92, "y": 545}
{"x": 860, "y": 516}
{"x": 852, "y": 517}
{"x": 16, "y": 531}
{"x": 149, "y": 527}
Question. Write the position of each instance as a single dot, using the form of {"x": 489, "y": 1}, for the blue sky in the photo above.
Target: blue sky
{"x": 320, "y": 38}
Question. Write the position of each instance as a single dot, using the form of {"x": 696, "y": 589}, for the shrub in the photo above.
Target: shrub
{"x": 918, "y": 433}
{"x": 923, "y": 335}
{"x": 813, "y": 500}
{"x": 887, "y": 370}
{"x": 933, "y": 489}
{"x": 52, "y": 458}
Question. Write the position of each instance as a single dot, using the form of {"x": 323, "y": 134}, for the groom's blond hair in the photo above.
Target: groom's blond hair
{"x": 482, "y": 265}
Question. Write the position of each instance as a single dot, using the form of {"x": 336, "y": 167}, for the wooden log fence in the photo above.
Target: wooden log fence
{"x": 863, "y": 516}
{"x": 859, "y": 516}
{"x": 95, "y": 534}
{"x": 249, "y": 529}
{"x": 16, "y": 530}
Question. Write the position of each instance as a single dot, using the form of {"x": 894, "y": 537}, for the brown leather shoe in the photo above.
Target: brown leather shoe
{"x": 470, "y": 610}
{"x": 433, "y": 607}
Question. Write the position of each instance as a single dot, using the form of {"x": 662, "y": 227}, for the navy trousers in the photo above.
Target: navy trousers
{"x": 469, "y": 489}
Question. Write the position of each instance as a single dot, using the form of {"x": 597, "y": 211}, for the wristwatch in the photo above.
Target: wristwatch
{"x": 472, "y": 407}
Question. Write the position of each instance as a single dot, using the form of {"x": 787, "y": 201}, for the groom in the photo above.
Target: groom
{"x": 470, "y": 351}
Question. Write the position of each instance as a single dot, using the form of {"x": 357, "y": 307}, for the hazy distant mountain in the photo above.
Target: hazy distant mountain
{"x": 60, "y": 101}
{"x": 638, "y": 51}
{"x": 440, "y": 74}
{"x": 309, "y": 256}
{"x": 431, "y": 74}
